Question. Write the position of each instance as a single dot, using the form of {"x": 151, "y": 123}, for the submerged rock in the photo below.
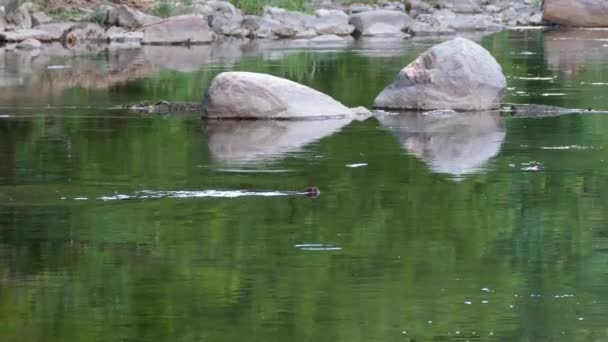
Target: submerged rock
{"x": 457, "y": 74}
{"x": 381, "y": 23}
{"x": 29, "y": 44}
{"x": 328, "y": 38}
{"x": 164, "y": 107}
{"x": 185, "y": 29}
{"x": 247, "y": 95}
{"x": 447, "y": 141}
{"x": 589, "y": 13}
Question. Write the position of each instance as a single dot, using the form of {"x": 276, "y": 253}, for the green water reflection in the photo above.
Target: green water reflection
{"x": 507, "y": 242}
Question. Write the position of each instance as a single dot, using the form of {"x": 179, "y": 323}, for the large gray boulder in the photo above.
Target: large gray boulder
{"x": 262, "y": 27}
{"x": 457, "y": 74}
{"x": 381, "y": 23}
{"x": 25, "y": 34}
{"x": 56, "y": 30}
{"x": 332, "y": 22}
{"x": 290, "y": 20}
{"x": 247, "y": 95}
{"x": 185, "y": 29}
{"x": 127, "y": 17}
{"x": 584, "y": 13}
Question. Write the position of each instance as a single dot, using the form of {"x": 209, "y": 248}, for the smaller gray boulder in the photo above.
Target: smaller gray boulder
{"x": 464, "y": 6}
{"x": 359, "y": 8}
{"x": 185, "y": 29}
{"x": 22, "y": 18}
{"x": 40, "y": 18}
{"x": 223, "y": 17}
{"x": 290, "y": 20}
{"x": 260, "y": 27}
{"x": 457, "y": 74}
{"x": 2, "y": 19}
{"x": 127, "y": 17}
{"x": 381, "y": 23}
{"x": 247, "y": 95}
{"x": 119, "y": 35}
{"x": 332, "y": 22}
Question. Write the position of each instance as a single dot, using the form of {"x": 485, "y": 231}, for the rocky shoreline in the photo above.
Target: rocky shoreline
{"x": 28, "y": 27}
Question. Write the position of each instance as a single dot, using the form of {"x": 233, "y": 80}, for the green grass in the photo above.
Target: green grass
{"x": 257, "y": 6}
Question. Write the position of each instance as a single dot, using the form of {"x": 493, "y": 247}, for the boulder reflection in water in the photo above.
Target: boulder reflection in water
{"x": 449, "y": 142}
{"x": 251, "y": 141}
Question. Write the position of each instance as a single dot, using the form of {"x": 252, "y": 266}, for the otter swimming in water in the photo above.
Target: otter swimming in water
{"x": 312, "y": 192}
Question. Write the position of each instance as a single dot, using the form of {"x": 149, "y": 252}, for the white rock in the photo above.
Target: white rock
{"x": 457, "y": 74}
{"x": 252, "y": 95}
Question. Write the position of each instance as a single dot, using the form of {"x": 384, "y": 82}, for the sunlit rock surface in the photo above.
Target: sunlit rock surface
{"x": 247, "y": 95}
{"x": 458, "y": 74}
{"x": 449, "y": 142}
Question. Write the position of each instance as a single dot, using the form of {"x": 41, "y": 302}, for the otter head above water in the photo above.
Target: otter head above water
{"x": 312, "y": 192}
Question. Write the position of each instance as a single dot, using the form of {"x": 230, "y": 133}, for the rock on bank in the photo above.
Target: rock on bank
{"x": 248, "y": 95}
{"x": 457, "y": 74}
{"x": 584, "y": 13}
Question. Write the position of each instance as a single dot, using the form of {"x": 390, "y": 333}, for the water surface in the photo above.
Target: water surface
{"x": 121, "y": 226}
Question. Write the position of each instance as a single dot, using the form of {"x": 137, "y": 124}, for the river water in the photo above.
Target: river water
{"x": 117, "y": 226}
